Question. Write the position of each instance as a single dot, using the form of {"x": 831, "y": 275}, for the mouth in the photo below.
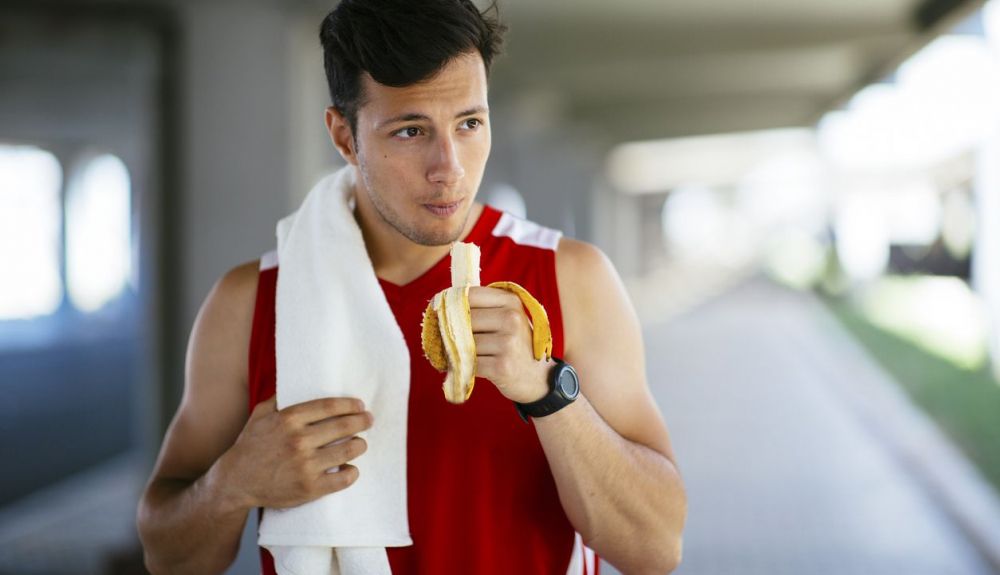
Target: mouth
{"x": 443, "y": 209}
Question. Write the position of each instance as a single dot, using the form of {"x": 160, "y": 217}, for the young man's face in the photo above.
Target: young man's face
{"x": 422, "y": 149}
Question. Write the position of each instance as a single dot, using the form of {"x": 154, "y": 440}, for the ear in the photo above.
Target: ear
{"x": 340, "y": 134}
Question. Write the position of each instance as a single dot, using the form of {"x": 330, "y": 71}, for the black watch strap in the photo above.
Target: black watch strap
{"x": 564, "y": 387}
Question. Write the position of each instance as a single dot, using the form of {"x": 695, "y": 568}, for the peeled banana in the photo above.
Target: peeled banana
{"x": 446, "y": 331}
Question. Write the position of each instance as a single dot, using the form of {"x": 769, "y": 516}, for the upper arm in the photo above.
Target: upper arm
{"x": 603, "y": 342}
{"x": 214, "y": 407}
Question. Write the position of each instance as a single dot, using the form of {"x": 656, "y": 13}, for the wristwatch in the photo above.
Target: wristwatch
{"x": 564, "y": 387}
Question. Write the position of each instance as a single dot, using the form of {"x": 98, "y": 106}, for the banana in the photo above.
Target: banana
{"x": 446, "y": 330}
{"x": 541, "y": 333}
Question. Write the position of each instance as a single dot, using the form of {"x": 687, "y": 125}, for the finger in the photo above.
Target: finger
{"x": 485, "y": 297}
{"x": 336, "y": 428}
{"x": 318, "y": 409}
{"x": 338, "y": 454}
{"x": 494, "y": 344}
{"x": 491, "y": 319}
{"x": 339, "y": 480}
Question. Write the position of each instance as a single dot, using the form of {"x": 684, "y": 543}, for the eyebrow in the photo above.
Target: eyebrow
{"x": 412, "y": 117}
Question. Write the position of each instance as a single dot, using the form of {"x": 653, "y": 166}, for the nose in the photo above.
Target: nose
{"x": 445, "y": 166}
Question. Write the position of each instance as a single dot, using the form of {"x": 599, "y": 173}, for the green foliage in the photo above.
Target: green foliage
{"x": 966, "y": 404}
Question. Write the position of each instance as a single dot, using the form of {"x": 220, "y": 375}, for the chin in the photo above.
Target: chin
{"x": 436, "y": 236}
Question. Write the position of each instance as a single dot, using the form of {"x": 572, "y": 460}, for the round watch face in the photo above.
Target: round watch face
{"x": 568, "y": 384}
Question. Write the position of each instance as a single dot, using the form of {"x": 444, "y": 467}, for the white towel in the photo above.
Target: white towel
{"x": 336, "y": 336}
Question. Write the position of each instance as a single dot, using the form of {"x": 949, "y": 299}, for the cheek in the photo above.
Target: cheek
{"x": 476, "y": 155}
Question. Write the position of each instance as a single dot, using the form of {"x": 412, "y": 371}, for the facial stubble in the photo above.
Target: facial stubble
{"x": 400, "y": 224}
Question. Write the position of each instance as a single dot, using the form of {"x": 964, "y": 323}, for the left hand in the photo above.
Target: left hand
{"x": 504, "y": 354}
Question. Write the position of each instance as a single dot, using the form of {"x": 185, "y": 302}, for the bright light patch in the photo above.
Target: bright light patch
{"x": 693, "y": 220}
{"x": 991, "y": 22}
{"x": 30, "y": 218}
{"x": 941, "y": 315}
{"x": 942, "y": 104}
{"x": 718, "y": 160}
{"x": 698, "y": 225}
{"x": 98, "y": 233}
{"x": 796, "y": 258}
{"x": 862, "y": 238}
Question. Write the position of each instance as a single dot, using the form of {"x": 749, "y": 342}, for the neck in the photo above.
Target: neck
{"x": 395, "y": 257}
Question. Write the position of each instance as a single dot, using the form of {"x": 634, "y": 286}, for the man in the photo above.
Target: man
{"x": 488, "y": 493}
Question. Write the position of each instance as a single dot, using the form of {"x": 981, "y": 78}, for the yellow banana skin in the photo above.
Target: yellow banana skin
{"x": 430, "y": 338}
{"x": 446, "y": 332}
{"x": 541, "y": 332}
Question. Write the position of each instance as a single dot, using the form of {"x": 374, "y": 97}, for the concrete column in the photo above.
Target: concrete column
{"x": 235, "y": 154}
{"x": 986, "y": 253}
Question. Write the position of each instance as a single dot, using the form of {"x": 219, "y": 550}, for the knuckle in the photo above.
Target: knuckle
{"x": 296, "y": 443}
{"x": 287, "y": 420}
{"x": 511, "y": 317}
{"x": 302, "y": 485}
{"x": 303, "y": 468}
{"x": 509, "y": 341}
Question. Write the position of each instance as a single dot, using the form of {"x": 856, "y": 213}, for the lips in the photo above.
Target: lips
{"x": 443, "y": 209}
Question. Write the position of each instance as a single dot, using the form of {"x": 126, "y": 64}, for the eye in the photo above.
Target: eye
{"x": 472, "y": 124}
{"x": 408, "y": 132}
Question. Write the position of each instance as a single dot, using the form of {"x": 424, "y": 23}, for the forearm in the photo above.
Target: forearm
{"x": 625, "y": 499}
{"x": 190, "y": 526}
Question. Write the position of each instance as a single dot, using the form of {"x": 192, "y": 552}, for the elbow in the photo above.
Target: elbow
{"x": 662, "y": 559}
{"x": 665, "y": 554}
{"x": 142, "y": 525}
{"x": 670, "y": 559}
{"x": 151, "y": 565}
{"x": 149, "y": 559}
{"x": 665, "y": 560}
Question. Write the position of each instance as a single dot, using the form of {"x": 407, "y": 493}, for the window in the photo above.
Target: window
{"x": 92, "y": 250}
{"x": 98, "y": 233}
{"x": 30, "y": 235}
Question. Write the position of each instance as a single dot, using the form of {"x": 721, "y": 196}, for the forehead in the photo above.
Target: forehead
{"x": 460, "y": 85}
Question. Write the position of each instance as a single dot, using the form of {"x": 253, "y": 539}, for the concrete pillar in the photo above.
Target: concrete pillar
{"x": 986, "y": 253}
{"x": 234, "y": 133}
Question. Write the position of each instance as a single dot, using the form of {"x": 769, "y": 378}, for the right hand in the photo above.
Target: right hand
{"x": 281, "y": 458}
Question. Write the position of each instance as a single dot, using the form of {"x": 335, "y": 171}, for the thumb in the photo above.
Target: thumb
{"x": 269, "y": 405}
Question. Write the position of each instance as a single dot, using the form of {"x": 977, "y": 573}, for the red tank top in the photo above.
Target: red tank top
{"x": 481, "y": 496}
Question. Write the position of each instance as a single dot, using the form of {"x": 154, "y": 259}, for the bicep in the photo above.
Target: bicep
{"x": 603, "y": 342}
{"x": 214, "y": 407}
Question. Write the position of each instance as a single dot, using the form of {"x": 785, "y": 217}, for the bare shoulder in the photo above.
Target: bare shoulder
{"x": 589, "y": 287}
{"x": 214, "y": 406}
{"x": 234, "y": 294}
{"x": 578, "y": 257}
{"x": 602, "y": 339}
{"x": 578, "y": 261}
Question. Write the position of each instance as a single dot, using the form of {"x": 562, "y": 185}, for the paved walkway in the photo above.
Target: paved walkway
{"x": 783, "y": 475}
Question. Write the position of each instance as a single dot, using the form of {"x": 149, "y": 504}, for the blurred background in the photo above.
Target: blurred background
{"x": 802, "y": 197}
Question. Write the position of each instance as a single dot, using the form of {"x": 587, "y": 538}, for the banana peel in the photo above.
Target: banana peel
{"x": 541, "y": 331}
{"x": 446, "y": 330}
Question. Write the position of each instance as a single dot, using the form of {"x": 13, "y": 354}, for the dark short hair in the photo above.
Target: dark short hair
{"x": 400, "y": 43}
